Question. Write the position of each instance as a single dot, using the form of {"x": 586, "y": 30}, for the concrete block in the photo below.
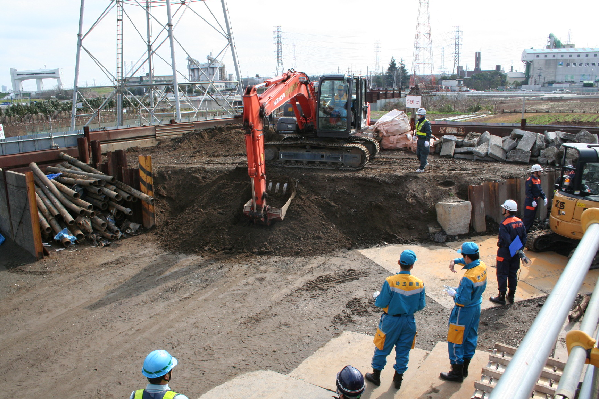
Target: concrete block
{"x": 550, "y": 153}
{"x": 586, "y": 137}
{"x": 469, "y": 143}
{"x": 518, "y": 156}
{"x": 469, "y": 157}
{"x": 484, "y": 138}
{"x": 484, "y": 159}
{"x": 463, "y": 150}
{"x": 517, "y": 134}
{"x": 527, "y": 141}
{"x": 449, "y": 137}
{"x": 482, "y": 150}
{"x": 495, "y": 140}
{"x": 472, "y": 136}
{"x": 497, "y": 152}
{"x": 566, "y": 137}
{"x": 448, "y": 149}
{"x": 538, "y": 145}
{"x": 508, "y": 143}
{"x": 550, "y": 137}
{"x": 454, "y": 216}
{"x": 542, "y": 161}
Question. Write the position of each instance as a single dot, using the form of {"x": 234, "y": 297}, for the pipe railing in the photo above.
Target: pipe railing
{"x": 525, "y": 368}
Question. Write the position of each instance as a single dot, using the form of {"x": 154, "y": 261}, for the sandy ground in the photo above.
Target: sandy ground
{"x": 221, "y": 294}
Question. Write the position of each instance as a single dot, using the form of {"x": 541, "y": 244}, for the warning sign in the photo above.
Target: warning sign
{"x": 1, "y": 132}
{"x": 412, "y": 101}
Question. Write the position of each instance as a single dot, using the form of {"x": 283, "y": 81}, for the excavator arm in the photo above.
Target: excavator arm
{"x": 291, "y": 86}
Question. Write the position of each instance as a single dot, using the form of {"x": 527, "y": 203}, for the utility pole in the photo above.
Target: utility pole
{"x": 456, "y": 51}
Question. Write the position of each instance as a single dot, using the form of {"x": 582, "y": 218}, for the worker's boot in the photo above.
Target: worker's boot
{"x": 374, "y": 377}
{"x": 465, "y": 368}
{"x": 456, "y": 373}
{"x": 499, "y": 299}
{"x": 397, "y": 379}
{"x": 510, "y": 295}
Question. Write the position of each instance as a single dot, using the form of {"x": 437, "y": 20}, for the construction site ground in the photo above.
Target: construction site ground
{"x": 228, "y": 297}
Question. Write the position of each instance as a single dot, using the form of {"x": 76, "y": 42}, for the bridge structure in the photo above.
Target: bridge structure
{"x": 17, "y": 78}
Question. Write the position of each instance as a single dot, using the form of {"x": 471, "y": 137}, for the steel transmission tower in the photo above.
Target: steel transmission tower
{"x": 456, "y": 51}
{"x": 279, "y": 43}
{"x": 151, "y": 51}
{"x": 422, "y": 68}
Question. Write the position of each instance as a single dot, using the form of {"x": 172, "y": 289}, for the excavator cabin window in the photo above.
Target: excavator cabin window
{"x": 333, "y": 112}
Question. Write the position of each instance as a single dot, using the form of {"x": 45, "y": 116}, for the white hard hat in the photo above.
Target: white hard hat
{"x": 421, "y": 111}
{"x": 536, "y": 168}
{"x": 510, "y": 205}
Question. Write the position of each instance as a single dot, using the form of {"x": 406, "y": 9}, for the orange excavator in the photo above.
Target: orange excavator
{"x": 326, "y": 132}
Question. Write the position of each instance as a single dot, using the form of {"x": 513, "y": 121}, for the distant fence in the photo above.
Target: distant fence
{"x": 487, "y": 198}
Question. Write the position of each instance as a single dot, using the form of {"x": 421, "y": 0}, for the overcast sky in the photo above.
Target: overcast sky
{"x": 318, "y": 36}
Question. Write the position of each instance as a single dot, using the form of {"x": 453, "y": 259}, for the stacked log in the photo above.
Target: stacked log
{"x": 91, "y": 204}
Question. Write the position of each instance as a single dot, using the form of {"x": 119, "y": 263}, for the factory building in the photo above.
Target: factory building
{"x": 561, "y": 65}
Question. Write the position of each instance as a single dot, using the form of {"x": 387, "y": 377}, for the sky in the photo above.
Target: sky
{"x": 318, "y": 36}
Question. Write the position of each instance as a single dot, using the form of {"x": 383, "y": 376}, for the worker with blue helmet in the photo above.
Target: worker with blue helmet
{"x": 350, "y": 383}
{"x": 400, "y": 297}
{"x": 157, "y": 368}
{"x": 462, "y": 336}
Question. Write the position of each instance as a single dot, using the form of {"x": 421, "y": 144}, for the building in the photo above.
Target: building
{"x": 209, "y": 74}
{"x": 561, "y": 65}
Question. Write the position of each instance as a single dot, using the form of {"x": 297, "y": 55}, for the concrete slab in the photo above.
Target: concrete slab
{"x": 354, "y": 349}
{"x": 535, "y": 280}
{"x": 430, "y": 386}
{"x": 266, "y": 385}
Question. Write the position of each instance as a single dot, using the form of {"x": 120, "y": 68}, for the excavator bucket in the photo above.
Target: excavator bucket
{"x": 280, "y": 195}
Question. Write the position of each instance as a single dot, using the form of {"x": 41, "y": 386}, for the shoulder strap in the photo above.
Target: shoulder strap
{"x": 139, "y": 394}
{"x": 169, "y": 395}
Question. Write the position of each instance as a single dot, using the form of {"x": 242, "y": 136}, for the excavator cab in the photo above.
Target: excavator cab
{"x": 342, "y": 106}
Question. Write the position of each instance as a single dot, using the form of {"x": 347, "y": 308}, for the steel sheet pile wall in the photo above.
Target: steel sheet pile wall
{"x": 487, "y": 198}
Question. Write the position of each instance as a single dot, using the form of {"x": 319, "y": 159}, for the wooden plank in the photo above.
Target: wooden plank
{"x": 476, "y": 196}
{"x": 147, "y": 187}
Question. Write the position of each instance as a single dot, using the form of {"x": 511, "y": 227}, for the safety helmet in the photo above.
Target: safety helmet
{"x": 421, "y": 111}
{"x": 407, "y": 257}
{"x": 510, "y": 205}
{"x": 158, "y": 363}
{"x": 536, "y": 168}
{"x": 468, "y": 248}
{"x": 350, "y": 382}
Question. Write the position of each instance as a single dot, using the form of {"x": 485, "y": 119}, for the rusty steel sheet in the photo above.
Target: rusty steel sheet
{"x": 39, "y": 157}
{"x": 129, "y": 133}
{"x": 441, "y": 128}
{"x": 476, "y": 196}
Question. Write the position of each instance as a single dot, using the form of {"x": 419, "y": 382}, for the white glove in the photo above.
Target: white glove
{"x": 450, "y": 291}
{"x": 426, "y": 143}
{"x": 534, "y": 204}
{"x": 545, "y": 200}
{"x": 376, "y": 294}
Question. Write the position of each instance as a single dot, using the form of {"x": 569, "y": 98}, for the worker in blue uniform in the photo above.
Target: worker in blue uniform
{"x": 350, "y": 383}
{"x": 534, "y": 193}
{"x": 401, "y": 296}
{"x": 508, "y": 260}
{"x": 423, "y": 134}
{"x": 463, "y": 321}
{"x": 158, "y": 368}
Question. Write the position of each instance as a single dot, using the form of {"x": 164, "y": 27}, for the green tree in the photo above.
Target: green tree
{"x": 404, "y": 76}
{"x": 486, "y": 80}
{"x": 391, "y": 78}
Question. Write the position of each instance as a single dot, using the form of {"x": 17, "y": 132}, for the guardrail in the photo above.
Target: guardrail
{"x": 524, "y": 370}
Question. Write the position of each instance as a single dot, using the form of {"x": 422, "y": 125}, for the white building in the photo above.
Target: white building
{"x": 209, "y": 74}
{"x": 561, "y": 65}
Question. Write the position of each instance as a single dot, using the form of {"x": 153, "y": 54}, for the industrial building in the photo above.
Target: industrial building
{"x": 561, "y": 65}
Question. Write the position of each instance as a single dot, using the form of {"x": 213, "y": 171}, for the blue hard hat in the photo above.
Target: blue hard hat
{"x": 350, "y": 382}
{"x": 407, "y": 257}
{"x": 158, "y": 363}
{"x": 468, "y": 248}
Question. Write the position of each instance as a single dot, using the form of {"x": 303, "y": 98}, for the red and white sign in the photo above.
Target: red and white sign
{"x": 413, "y": 101}
{"x": 1, "y": 132}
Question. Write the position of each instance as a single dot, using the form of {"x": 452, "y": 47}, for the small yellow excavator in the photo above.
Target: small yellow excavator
{"x": 576, "y": 190}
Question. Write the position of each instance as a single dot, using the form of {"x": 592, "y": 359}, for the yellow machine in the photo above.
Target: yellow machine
{"x": 576, "y": 189}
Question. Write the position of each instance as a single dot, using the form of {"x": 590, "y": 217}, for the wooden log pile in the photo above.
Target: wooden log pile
{"x": 91, "y": 204}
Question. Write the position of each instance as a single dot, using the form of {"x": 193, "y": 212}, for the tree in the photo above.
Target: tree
{"x": 486, "y": 80}
{"x": 391, "y": 78}
{"x": 404, "y": 76}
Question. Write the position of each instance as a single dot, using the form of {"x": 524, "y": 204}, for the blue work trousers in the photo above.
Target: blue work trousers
{"x": 422, "y": 152}
{"x": 507, "y": 273}
{"x": 529, "y": 213}
{"x": 468, "y": 317}
{"x": 399, "y": 332}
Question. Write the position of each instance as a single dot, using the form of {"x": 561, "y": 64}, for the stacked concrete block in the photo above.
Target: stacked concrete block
{"x": 496, "y": 150}
{"x": 517, "y": 134}
{"x": 585, "y": 137}
{"x": 551, "y": 138}
{"x": 566, "y": 137}
{"x": 538, "y": 145}
{"x": 549, "y": 155}
{"x": 484, "y": 138}
{"x": 448, "y": 148}
{"x": 527, "y": 141}
{"x": 482, "y": 150}
{"x": 518, "y": 156}
{"x": 508, "y": 144}
{"x": 463, "y": 150}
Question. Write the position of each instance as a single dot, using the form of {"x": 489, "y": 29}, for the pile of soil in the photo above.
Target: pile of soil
{"x": 201, "y": 184}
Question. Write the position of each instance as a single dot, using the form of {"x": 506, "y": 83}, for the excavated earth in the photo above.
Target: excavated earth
{"x": 222, "y": 294}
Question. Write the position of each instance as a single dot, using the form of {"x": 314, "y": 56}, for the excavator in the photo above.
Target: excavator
{"x": 575, "y": 191}
{"x": 325, "y": 132}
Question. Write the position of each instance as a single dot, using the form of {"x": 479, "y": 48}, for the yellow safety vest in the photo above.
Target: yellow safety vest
{"x": 168, "y": 395}
{"x": 419, "y": 126}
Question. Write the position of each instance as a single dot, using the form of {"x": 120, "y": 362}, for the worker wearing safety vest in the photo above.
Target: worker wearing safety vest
{"x": 158, "y": 368}
{"x": 423, "y": 134}
{"x": 462, "y": 336}
{"x": 534, "y": 193}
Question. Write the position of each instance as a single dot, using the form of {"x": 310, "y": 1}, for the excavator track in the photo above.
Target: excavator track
{"x": 371, "y": 144}
{"x": 541, "y": 240}
{"x": 317, "y": 154}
